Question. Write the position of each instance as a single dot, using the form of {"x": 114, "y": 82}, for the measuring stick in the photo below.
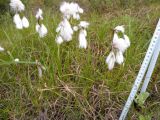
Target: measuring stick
{"x": 151, "y": 66}
{"x": 141, "y": 72}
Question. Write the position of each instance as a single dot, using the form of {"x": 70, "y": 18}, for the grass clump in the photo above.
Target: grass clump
{"x": 76, "y": 84}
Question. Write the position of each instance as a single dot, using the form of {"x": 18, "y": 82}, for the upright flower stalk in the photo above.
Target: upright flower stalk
{"x": 19, "y": 19}
{"x": 71, "y": 11}
{"x": 119, "y": 46}
{"x": 40, "y": 27}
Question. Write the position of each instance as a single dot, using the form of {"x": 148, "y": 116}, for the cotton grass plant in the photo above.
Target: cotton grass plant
{"x": 19, "y": 19}
{"x": 64, "y": 31}
{"x": 40, "y": 27}
{"x": 71, "y": 11}
{"x": 119, "y": 46}
{"x": 77, "y": 84}
{"x": 83, "y": 34}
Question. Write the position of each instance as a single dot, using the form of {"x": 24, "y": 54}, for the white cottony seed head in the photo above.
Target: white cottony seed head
{"x": 17, "y": 5}
{"x": 18, "y": 22}
{"x": 76, "y": 16}
{"x": 110, "y": 60}
{"x": 82, "y": 39}
{"x": 71, "y": 10}
{"x": 120, "y": 28}
{"x": 39, "y": 14}
{"x": 37, "y": 27}
{"x": 127, "y": 40}
{"x": 119, "y": 45}
{"x": 66, "y": 30}
{"x": 25, "y": 22}
{"x": 84, "y": 24}
{"x": 16, "y": 60}
{"x": 58, "y": 29}
{"x": 43, "y": 31}
{"x": 59, "y": 40}
{"x": 119, "y": 57}
{"x": 1, "y": 49}
{"x": 75, "y": 28}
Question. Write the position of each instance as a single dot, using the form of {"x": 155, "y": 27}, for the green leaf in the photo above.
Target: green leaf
{"x": 141, "y": 98}
{"x": 146, "y": 117}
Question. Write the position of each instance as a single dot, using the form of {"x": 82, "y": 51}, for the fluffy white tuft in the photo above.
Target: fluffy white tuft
{"x": 120, "y": 28}
{"x": 119, "y": 57}
{"x": 37, "y": 27}
{"x": 17, "y": 5}
{"x": 39, "y": 14}
{"x": 59, "y": 40}
{"x": 25, "y": 22}
{"x": 42, "y": 30}
{"x": 18, "y": 22}
{"x": 119, "y": 43}
{"x": 71, "y": 10}
{"x": 127, "y": 40}
{"x": 65, "y": 8}
{"x": 58, "y": 29}
{"x": 80, "y": 10}
{"x": 84, "y": 24}
{"x": 65, "y": 30}
{"x": 82, "y": 39}
{"x": 76, "y": 16}
{"x": 16, "y": 60}
{"x": 110, "y": 60}
{"x": 1, "y": 49}
{"x": 75, "y": 28}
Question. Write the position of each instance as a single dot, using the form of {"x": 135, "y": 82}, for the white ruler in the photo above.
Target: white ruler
{"x": 142, "y": 72}
{"x": 151, "y": 66}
